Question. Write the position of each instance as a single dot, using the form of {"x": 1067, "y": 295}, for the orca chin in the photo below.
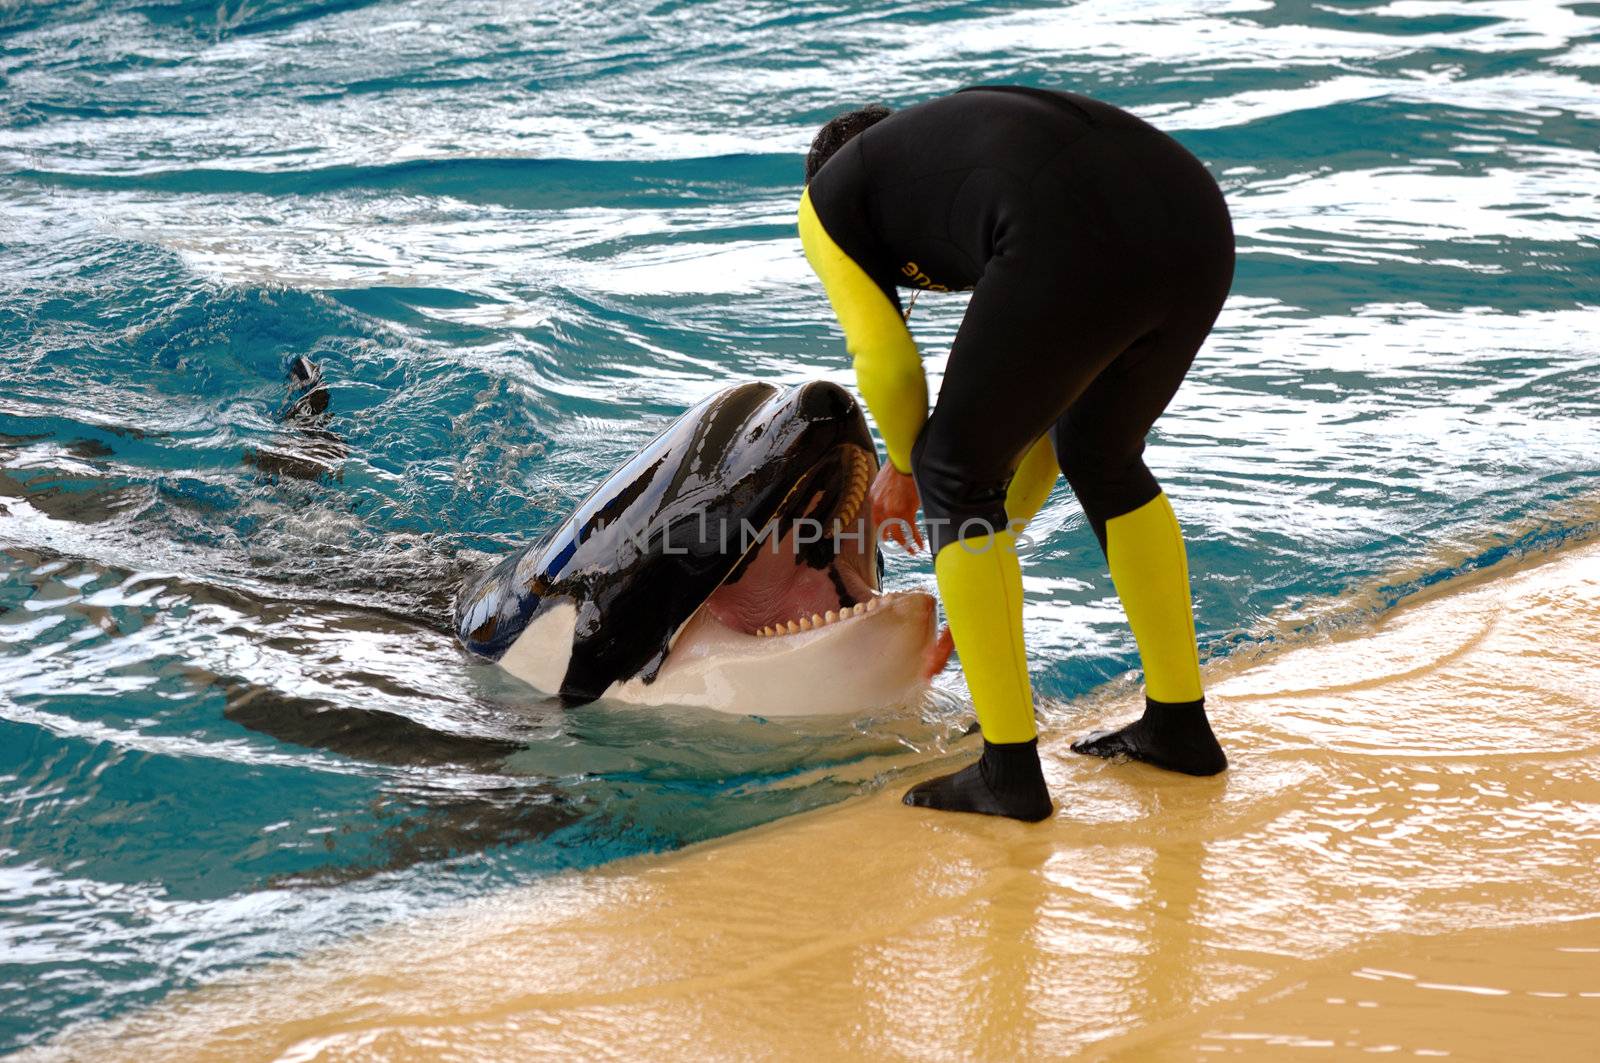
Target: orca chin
{"x": 731, "y": 564}
{"x": 868, "y": 657}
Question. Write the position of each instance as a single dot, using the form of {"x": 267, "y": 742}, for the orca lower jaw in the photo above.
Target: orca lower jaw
{"x": 872, "y": 660}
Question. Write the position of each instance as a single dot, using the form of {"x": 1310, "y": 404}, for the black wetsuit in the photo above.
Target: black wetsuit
{"x": 1099, "y": 252}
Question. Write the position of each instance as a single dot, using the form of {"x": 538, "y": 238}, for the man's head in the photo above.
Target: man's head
{"x": 837, "y": 133}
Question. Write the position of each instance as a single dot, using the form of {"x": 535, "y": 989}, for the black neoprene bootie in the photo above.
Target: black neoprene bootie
{"x": 1171, "y": 735}
{"x": 1006, "y": 781}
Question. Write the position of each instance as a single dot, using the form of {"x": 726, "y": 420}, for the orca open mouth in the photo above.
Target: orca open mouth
{"x": 733, "y": 554}
{"x": 815, "y": 564}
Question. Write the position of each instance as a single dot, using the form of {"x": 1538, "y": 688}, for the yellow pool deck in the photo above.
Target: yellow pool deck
{"x": 1403, "y": 860}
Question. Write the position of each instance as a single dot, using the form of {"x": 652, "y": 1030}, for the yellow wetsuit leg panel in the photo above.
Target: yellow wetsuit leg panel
{"x": 1151, "y": 573}
{"x": 1031, "y": 484}
{"x": 980, "y": 581}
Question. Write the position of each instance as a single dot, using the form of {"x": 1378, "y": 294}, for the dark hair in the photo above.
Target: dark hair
{"x": 837, "y": 133}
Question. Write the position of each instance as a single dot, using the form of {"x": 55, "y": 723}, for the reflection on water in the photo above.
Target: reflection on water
{"x": 517, "y": 238}
{"x": 1514, "y": 993}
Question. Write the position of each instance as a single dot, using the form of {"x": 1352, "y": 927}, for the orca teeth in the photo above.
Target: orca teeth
{"x": 860, "y": 476}
{"x": 817, "y": 621}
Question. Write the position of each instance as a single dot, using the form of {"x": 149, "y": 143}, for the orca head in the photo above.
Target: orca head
{"x": 723, "y": 565}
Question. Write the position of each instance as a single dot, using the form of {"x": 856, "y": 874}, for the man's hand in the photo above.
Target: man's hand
{"x": 894, "y": 507}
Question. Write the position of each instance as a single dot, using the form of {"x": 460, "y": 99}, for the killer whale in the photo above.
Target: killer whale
{"x": 731, "y": 564}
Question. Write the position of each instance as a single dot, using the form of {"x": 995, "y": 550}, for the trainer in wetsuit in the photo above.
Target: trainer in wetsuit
{"x": 1098, "y": 252}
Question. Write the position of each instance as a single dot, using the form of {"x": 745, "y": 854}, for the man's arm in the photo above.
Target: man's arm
{"x": 888, "y": 367}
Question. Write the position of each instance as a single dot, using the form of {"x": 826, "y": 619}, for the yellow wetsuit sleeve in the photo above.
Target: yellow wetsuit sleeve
{"x": 888, "y": 367}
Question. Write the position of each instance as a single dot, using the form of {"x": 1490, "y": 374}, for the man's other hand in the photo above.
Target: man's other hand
{"x": 894, "y": 508}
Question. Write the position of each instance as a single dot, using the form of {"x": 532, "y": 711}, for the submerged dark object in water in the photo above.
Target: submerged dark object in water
{"x": 316, "y": 451}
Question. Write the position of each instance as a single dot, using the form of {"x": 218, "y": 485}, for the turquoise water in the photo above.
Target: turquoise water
{"x": 518, "y": 238}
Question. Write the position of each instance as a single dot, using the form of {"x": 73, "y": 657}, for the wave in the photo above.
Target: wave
{"x": 521, "y": 183}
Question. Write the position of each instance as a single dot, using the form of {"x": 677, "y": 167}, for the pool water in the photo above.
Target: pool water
{"x": 519, "y": 238}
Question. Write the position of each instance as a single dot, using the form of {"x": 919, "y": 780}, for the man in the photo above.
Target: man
{"x": 1098, "y": 252}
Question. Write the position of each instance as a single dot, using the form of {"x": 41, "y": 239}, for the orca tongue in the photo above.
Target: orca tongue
{"x": 773, "y": 588}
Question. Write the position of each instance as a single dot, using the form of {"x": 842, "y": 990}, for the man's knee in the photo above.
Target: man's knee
{"x": 1107, "y": 483}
